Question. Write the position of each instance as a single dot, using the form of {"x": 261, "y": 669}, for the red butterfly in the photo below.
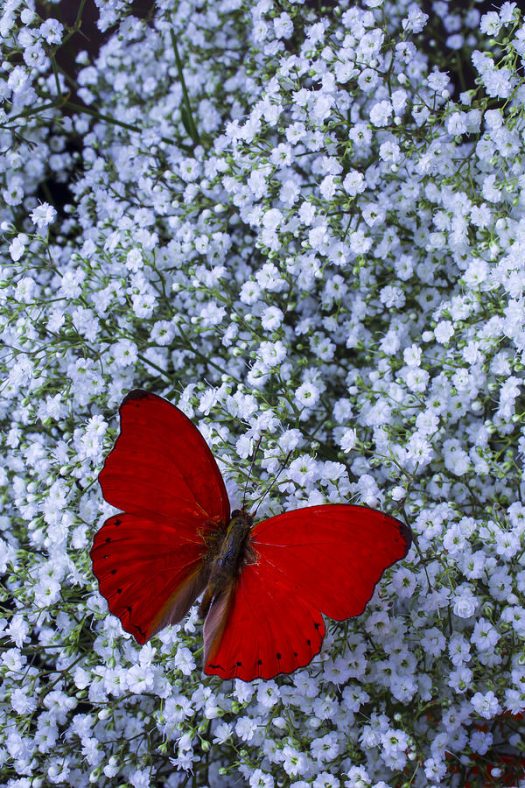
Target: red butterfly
{"x": 265, "y": 585}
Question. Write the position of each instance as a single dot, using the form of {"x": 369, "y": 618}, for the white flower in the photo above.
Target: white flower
{"x": 457, "y": 123}
{"x": 307, "y": 395}
{"x": 245, "y": 728}
{"x": 348, "y": 440}
{"x": 398, "y": 493}
{"x": 354, "y": 183}
{"x": 271, "y": 318}
{"x": 392, "y": 297}
{"x": 268, "y": 694}
{"x": 17, "y": 247}
{"x": 26, "y": 290}
{"x": 381, "y": 113}
{"x": 91, "y": 441}
{"x": 484, "y": 636}
{"x": 443, "y": 331}
{"x": 189, "y": 169}
{"x": 134, "y": 260}
{"x": 272, "y": 354}
{"x": 326, "y": 748}
{"x": 416, "y": 20}
{"x": 250, "y": 292}
{"x": 43, "y": 215}
{"x": 486, "y": 704}
{"x": 163, "y": 332}
{"x": 272, "y": 219}
{"x": 258, "y": 779}
{"x": 283, "y": 26}
{"x": 464, "y": 606}
{"x": 490, "y": 23}
{"x": 294, "y": 762}
{"x": 223, "y": 732}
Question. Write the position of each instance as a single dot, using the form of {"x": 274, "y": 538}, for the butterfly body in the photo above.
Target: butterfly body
{"x": 227, "y": 556}
{"x": 265, "y": 586}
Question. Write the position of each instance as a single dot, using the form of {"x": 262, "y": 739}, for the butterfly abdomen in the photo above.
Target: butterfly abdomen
{"x": 230, "y": 556}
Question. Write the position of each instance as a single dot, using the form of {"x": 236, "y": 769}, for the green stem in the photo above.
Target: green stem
{"x": 192, "y": 128}
{"x": 76, "y": 25}
{"x": 108, "y": 119}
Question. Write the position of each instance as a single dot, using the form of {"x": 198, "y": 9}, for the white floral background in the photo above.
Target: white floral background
{"x": 305, "y": 225}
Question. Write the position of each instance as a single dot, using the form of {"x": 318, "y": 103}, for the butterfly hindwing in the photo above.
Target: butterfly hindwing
{"x": 149, "y": 570}
{"x": 149, "y": 560}
{"x": 258, "y": 628}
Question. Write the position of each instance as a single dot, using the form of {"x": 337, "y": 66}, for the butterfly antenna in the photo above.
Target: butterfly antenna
{"x": 274, "y": 480}
{"x": 257, "y": 446}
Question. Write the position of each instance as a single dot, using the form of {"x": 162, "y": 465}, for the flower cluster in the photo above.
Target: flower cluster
{"x": 291, "y": 221}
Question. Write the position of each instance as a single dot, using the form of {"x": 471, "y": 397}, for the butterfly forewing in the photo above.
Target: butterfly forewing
{"x": 149, "y": 560}
{"x": 332, "y": 555}
{"x": 161, "y": 463}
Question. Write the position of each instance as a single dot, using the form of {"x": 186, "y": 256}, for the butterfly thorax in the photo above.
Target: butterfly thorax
{"x": 226, "y": 556}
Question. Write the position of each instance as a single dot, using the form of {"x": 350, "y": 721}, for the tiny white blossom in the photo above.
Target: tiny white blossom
{"x": 307, "y": 395}
{"x": 43, "y": 215}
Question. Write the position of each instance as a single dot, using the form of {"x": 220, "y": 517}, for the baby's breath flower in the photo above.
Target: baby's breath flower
{"x": 43, "y": 215}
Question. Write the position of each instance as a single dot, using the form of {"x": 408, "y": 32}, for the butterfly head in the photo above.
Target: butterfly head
{"x": 244, "y": 515}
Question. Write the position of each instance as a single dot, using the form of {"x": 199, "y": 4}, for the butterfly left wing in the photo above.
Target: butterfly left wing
{"x": 321, "y": 559}
{"x": 149, "y": 560}
{"x": 161, "y": 464}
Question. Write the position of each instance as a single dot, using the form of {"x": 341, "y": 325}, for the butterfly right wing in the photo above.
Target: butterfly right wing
{"x": 333, "y": 555}
{"x": 320, "y": 559}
